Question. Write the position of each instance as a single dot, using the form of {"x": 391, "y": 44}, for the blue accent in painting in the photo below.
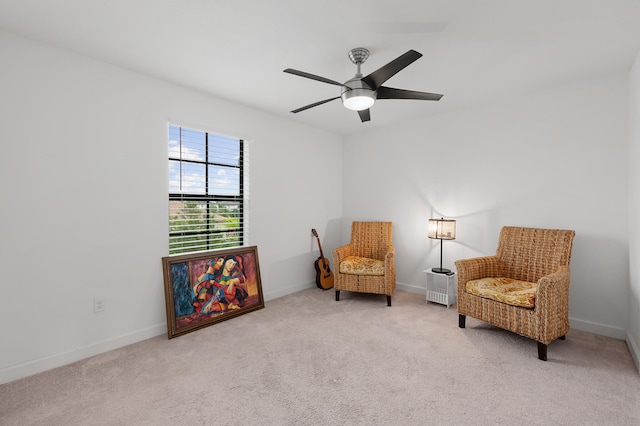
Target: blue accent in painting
{"x": 181, "y": 289}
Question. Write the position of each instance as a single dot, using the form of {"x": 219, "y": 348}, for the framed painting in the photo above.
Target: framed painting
{"x": 204, "y": 288}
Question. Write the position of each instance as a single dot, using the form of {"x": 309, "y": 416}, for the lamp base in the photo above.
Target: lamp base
{"x": 441, "y": 270}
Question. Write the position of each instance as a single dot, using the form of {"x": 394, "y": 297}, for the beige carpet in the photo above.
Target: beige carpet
{"x": 308, "y": 360}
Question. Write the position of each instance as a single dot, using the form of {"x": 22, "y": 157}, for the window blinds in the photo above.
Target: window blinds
{"x": 206, "y": 196}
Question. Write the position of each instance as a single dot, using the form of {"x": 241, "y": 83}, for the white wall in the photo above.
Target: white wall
{"x": 84, "y": 208}
{"x": 633, "y": 333}
{"x": 555, "y": 159}
{"x": 84, "y": 195}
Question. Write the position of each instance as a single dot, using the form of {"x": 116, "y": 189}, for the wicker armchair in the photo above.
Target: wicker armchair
{"x": 533, "y": 255}
{"x": 371, "y": 248}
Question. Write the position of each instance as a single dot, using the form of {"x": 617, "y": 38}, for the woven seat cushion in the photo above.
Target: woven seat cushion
{"x": 355, "y": 265}
{"x": 506, "y": 290}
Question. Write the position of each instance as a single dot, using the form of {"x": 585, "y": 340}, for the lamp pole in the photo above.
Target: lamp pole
{"x": 441, "y": 270}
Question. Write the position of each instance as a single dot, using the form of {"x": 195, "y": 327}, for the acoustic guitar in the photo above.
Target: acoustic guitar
{"x": 324, "y": 276}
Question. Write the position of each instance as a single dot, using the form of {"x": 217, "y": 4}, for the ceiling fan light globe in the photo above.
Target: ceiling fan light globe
{"x": 358, "y": 99}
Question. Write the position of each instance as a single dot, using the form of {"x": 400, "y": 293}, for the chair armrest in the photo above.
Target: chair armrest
{"x": 478, "y": 267}
{"x": 389, "y": 253}
{"x": 339, "y": 253}
{"x": 553, "y": 291}
{"x": 474, "y": 269}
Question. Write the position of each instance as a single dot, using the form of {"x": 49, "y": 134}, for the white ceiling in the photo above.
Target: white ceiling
{"x": 474, "y": 50}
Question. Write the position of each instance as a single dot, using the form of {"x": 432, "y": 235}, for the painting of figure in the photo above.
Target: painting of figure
{"x": 204, "y": 288}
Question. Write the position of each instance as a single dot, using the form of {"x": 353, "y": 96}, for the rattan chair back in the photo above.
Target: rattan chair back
{"x": 371, "y": 239}
{"x": 531, "y": 253}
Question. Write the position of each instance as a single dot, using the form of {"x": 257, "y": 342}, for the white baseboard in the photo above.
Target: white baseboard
{"x": 39, "y": 365}
{"x": 596, "y": 328}
{"x": 582, "y": 325}
{"x": 591, "y": 327}
{"x": 32, "y": 367}
{"x": 634, "y": 349}
{"x": 290, "y": 290}
{"x": 411, "y": 288}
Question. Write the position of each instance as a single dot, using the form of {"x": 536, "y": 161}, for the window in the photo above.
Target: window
{"x": 206, "y": 200}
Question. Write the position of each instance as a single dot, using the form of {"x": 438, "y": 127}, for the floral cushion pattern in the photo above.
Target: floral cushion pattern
{"x": 506, "y": 290}
{"x": 355, "y": 265}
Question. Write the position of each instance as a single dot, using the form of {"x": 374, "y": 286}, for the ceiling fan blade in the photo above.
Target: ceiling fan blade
{"x": 384, "y": 73}
{"x": 365, "y": 115}
{"x": 391, "y": 93}
{"x": 312, "y": 76}
{"x": 314, "y": 104}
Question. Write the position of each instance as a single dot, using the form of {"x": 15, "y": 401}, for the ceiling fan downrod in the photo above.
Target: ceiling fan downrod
{"x": 358, "y": 56}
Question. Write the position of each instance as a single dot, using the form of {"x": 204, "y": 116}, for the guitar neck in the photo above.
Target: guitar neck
{"x": 320, "y": 247}
{"x": 315, "y": 234}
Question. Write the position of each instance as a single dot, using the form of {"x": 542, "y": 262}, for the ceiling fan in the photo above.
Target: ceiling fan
{"x": 360, "y": 93}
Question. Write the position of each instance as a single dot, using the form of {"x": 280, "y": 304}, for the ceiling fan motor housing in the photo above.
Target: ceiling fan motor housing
{"x": 357, "y": 95}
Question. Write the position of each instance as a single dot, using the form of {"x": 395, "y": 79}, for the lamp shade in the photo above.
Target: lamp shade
{"x": 442, "y": 229}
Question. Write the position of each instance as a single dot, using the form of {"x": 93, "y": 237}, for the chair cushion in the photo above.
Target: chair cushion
{"x": 506, "y": 290}
{"x": 354, "y": 265}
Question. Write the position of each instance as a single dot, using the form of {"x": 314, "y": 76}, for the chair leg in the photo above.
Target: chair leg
{"x": 542, "y": 351}
{"x": 461, "y": 320}
{"x": 388, "y": 300}
{"x": 337, "y": 295}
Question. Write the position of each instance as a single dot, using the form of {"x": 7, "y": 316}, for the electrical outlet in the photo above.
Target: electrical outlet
{"x": 98, "y": 305}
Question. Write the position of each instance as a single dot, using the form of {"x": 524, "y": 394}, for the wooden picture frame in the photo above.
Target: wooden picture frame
{"x": 204, "y": 288}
